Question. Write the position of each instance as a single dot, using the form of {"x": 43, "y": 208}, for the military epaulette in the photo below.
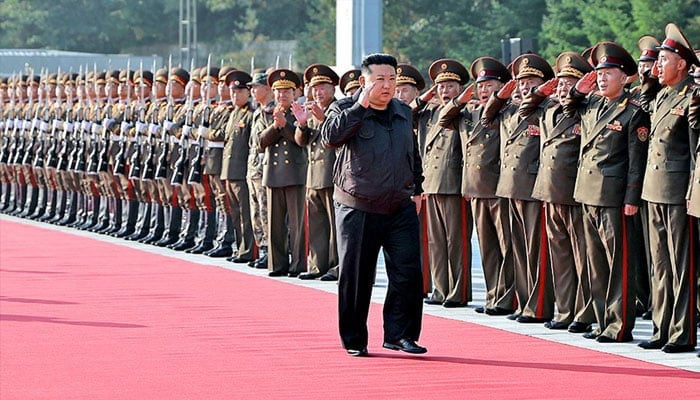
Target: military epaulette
{"x": 635, "y": 102}
{"x": 683, "y": 91}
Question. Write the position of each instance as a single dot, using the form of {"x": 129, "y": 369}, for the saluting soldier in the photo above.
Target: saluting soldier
{"x": 560, "y": 141}
{"x": 448, "y": 217}
{"x": 665, "y": 189}
{"x": 481, "y": 154}
{"x": 614, "y": 133}
{"x": 321, "y": 234}
{"x": 284, "y": 174}
{"x": 520, "y": 152}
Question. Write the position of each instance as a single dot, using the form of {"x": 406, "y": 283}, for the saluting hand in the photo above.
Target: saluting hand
{"x": 466, "y": 95}
{"x": 546, "y": 89}
{"x": 586, "y": 84}
{"x": 655, "y": 70}
{"x": 427, "y": 96}
{"x": 507, "y": 90}
{"x": 365, "y": 94}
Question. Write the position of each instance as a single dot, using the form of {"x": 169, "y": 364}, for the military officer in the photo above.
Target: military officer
{"x": 481, "y": 154}
{"x": 349, "y": 82}
{"x": 321, "y": 234}
{"x": 665, "y": 188}
{"x": 284, "y": 174}
{"x": 614, "y": 133}
{"x": 560, "y": 141}
{"x": 520, "y": 150}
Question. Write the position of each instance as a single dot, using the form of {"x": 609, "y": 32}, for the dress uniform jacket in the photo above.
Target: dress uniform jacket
{"x": 480, "y": 149}
{"x": 214, "y": 144}
{"x": 236, "y": 151}
{"x": 694, "y": 189}
{"x": 321, "y": 159}
{"x": 285, "y": 162}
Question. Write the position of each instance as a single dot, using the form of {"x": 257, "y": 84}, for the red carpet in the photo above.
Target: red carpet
{"x": 85, "y": 319}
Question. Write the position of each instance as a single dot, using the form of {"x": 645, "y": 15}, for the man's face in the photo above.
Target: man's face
{"x": 160, "y": 89}
{"x": 260, "y": 93}
{"x": 323, "y": 93}
{"x": 384, "y": 78}
{"x": 406, "y": 93}
{"x": 211, "y": 87}
{"x": 284, "y": 97}
{"x": 177, "y": 91}
{"x": 448, "y": 90}
{"x": 485, "y": 89}
{"x": 564, "y": 86}
{"x": 223, "y": 91}
{"x": 644, "y": 66}
{"x": 672, "y": 67}
{"x": 239, "y": 96}
{"x": 526, "y": 84}
{"x": 611, "y": 81}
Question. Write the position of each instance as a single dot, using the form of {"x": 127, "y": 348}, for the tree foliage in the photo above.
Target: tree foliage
{"x": 417, "y": 31}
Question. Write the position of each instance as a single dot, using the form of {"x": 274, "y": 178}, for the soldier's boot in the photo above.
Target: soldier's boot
{"x": 224, "y": 248}
{"x": 102, "y": 215}
{"x": 20, "y": 192}
{"x": 60, "y": 199}
{"x": 41, "y": 203}
{"x": 5, "y": 197}
{"x": 30, "y": 201}
{"x": 50, "y": 211}
{"x": 69, "y": 215}
{"x": 116, "y": 217}
{"x": 261, "y": 262}
{"x": 143, "y": 224}
{"x": 188, "y": 232}
{"x": 92, "y": 218}
{"x": 82, "y": 213}
{"x": 129, "y": 226}
{"x": 157, "y": 225}
{"x": 173, "y": 222}
{"x": 207, "y": 242}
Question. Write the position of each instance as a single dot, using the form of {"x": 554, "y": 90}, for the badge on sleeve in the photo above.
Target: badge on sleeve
{"x": 643, "y": 133}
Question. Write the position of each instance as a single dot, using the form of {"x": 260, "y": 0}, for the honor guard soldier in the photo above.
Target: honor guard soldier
{"x": 284, "y": 174}
{"x": 409, "y": 83}
{"x": 449, "y": 223}
{"x": 262, "y": 117}
{"x": 520, "y": 153}
{"x": 481, "y": 154}
{"x": 320, "y": 229}
{"x": 665, "y": 189}
{"x": 560, "y": 141}
{"x": 614, "y": 134}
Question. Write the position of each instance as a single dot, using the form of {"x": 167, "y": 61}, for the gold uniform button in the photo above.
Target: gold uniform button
{"x": 286, "y": 161}
{"x": 286, "y": 152}
{"x": 478, "y": 167}
{"x": 322, "y": 151}
{"x": 313, "y": 144}
{"x": 274, "y": 163}
{"x": 274, "y": 154}
{"x": 284, "y": 142}
{"x": 277, "y": 145}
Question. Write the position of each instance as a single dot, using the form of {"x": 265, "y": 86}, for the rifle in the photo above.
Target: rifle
{"x": 120, "y": 158}
{"x": 162, "y": 162}
{"x": 183, "y": 150}
{"x": 26, "y": 127}
{"x": 195, "y": 175}
{"x": 94, "y": 156}
{"x": 40, "y": 153}
{"x": 149, "y": 161}
{"x": 135, "y": 161}
{"x": 103, "y": 162}
{"x": 9, "y": 126}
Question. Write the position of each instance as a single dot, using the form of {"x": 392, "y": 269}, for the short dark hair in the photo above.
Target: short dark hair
{"x": 377, "y": 59}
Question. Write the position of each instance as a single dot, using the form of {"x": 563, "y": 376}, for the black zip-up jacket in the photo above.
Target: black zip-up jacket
{"x": 378, "y": 167}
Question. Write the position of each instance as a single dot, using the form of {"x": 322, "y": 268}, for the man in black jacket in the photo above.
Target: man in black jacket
{"x": 376, "y": 173}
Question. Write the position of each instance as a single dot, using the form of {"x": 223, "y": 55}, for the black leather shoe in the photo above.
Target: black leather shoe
{"x": 408, "y": 346}
{"x": 651, "y": 344}
{"x": 219, "y": 252}
{"x": 328, "y": 277}
{"x": 183, "y": 245}
{"x": 251, "y": 264}
{"x": 498, "y": 311}
{"x": 243, "y": 260}
{"x": 432, "y": 301}
{"x": 358, "y": 352}
{"x": 646, "y": 315}
{"x": 453, "y": 304}
{"x": 590, "y": 335}
{"x": 307, "y": 276}
{"x": 677, "y": 348}
{"x": 607, "y": 339}
{"x": 293, "y": 274}
{"x": 579, "y": 327}
{"x": 480, "y": 310}
{"x": 167, "y": 241}
{"x": 514, "y": 316}
{"x": 200, "y": 249}
{"x": 524, "y": 319}
{"x": 275, "y": 274}
{"x": 556, "y": 325}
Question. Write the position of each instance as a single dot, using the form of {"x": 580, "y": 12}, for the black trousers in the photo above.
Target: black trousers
{"x": 360, "y": 236}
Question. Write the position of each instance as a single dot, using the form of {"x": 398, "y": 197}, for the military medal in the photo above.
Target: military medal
{"x": 615, "y": 126}
{"x": 533, "y": 130}
{"x": 643, "y": 133}
{"x": 678, "y": 111}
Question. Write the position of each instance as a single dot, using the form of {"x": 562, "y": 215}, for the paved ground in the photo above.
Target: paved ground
{"x": 642, "y": 331}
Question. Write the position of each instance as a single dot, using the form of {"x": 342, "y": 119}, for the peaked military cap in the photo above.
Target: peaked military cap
{"x": 3, "y": 82}
{"x": 101, "y": 78}
{"x": 570, "y": 63}
{"x": 162, "y": 75}
{"x": 487, "y": 68}
{"x": 180, "y": 76}
{"x": 195, "y": 75}
{"x": 350, "y": 80}
{"x": 320, "y": 73}
{"x": 125, "y": 75}
{"x": 648, "y": 45}
{"x": 52, "y": 79}
{"x": 612, "y": 55}
{"x": 69, "y": 78}
{"x": 259, "y": 77}
{"x": 33, "y": 80}
{"x": 447, "y": 69}
{"x": 532, "y": 65}
{"x": 408, "y": 75}
{"x": 113, "y": 76}
{"x": 147, "y": 78}
{"x": 225, "y": 70}
{"x": 676, "y": 42}
{"x": 238, "y": 79}
{"x": 211, "y": 74}
{"x": 283, "y": 79}
{"x": 586, "y": 54}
